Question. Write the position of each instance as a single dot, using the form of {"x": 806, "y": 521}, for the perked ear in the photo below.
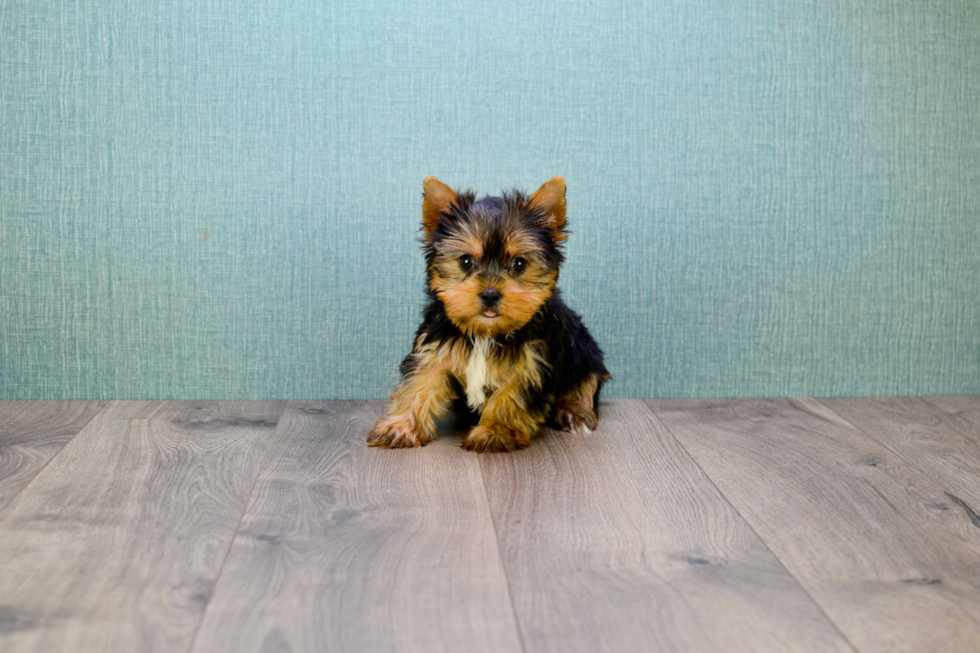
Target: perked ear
{"x": 550, "y": 199}
{"x": 436, "y": 198}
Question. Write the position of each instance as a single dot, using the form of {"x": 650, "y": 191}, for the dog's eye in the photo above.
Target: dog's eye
{"x": 518, "y": 265}
{"x": 465, "y": 262}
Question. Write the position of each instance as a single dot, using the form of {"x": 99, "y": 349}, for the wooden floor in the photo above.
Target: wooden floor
{"x": 680, "y": 525}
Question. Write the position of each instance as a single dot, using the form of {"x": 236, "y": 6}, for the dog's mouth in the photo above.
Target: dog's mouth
{"x": 490, "y": 314}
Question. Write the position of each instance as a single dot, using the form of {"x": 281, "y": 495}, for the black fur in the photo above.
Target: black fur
{"x": 572, "y": 354}
{"x": 498, "y": 213}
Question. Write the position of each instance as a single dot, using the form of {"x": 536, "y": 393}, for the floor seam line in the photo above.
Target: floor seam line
{"x": 880, "y": 443}
{"x": 45, "y": 466}
{"x": 500, "y": 557}
{"x": 238, "y": 526}
{"x": 728, "y": 501}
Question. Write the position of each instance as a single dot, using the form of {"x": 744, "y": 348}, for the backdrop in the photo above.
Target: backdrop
{"x": 220, "y": 199}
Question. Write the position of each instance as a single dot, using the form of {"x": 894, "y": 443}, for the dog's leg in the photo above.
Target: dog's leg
{"x": 505, "y": 423}
{"x": 417, "y": 401}
{"x": 574, "y": 411}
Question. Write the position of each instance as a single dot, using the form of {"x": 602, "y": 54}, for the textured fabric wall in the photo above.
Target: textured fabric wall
{"x": 221, "y": 198}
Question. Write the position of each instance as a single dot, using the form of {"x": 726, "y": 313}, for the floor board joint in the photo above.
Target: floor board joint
{"x": 231, "y": 543}
{"x": 10, "y": 500}
{"x": 753, "y": 529}
{"x": 500, "y": 559}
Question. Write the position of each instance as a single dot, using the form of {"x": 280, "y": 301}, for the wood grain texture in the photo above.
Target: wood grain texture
{"x": 944, "y": 446}
{"x": 872, "y": 538}
{"x": 616, "y": 541}
{"x": 966, "y": 407}
{"x": 350, "y": 548}
{"x": 31, "y": 433}
{"x": 117, "y": 543}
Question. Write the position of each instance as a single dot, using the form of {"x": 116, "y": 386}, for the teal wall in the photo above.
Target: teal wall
{"x": 220, "y": 198}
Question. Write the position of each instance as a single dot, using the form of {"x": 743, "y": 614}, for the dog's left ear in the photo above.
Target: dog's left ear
{"x": 550, "y": 200}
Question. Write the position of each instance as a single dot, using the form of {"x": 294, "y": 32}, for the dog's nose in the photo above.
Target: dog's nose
{"x": 490, "y": 296}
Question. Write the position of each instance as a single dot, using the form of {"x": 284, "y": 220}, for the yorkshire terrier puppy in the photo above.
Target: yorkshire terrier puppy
{"x": 495, "y": 330}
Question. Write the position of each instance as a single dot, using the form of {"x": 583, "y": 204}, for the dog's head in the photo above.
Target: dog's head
{"x": 493, "y": 262}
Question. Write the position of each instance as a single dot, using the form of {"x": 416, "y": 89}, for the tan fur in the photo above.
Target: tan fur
{"x": 465, "y": 242}
{"x": 495, "y": 380}
{"x": 416, "y": 402}
{"x": 462, "y": 302}
{"x": 520, "y": 299}
{"x": 520, "y": 244}
{"x": 575, "y": 411}
{"x": 550, "y": 198}
{"x": 436, "y": 198}
{"x": 424, "y": 395}
{"x": 526, "y": 369}
{"x": 505, "y": 423}
{"x": 521, "y": 296}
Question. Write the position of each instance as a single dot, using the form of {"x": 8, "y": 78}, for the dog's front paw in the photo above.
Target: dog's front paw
{"x": 494, "y": 438}
{"x": 574, "y": 418}
{"x": 397, "y": 432}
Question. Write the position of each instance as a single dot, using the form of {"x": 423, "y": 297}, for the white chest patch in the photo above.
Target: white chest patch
{"x": 476, "y": 373}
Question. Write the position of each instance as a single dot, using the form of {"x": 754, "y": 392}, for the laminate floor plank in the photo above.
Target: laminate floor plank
{"x": 116, "y": 544}
{"x": 869, "y": 536}
{"x": 616, "y": 541}
{"x": 944, "y": 446}
{"x": 966, "y": 407}
{"x": 350, "y": 548}
{"x": 31, "y": 433}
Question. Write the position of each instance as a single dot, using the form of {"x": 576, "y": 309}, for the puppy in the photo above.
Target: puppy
{"x": 495, "y": 329}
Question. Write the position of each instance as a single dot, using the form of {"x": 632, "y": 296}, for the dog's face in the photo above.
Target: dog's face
{"x": 493, "y": 262}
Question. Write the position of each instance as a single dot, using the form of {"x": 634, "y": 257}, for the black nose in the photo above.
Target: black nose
{"x": 490, "y": 296}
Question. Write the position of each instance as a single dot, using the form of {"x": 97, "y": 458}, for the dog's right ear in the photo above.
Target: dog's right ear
{"x": 436, "y": 198}
{"x": 550, "y": 200}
